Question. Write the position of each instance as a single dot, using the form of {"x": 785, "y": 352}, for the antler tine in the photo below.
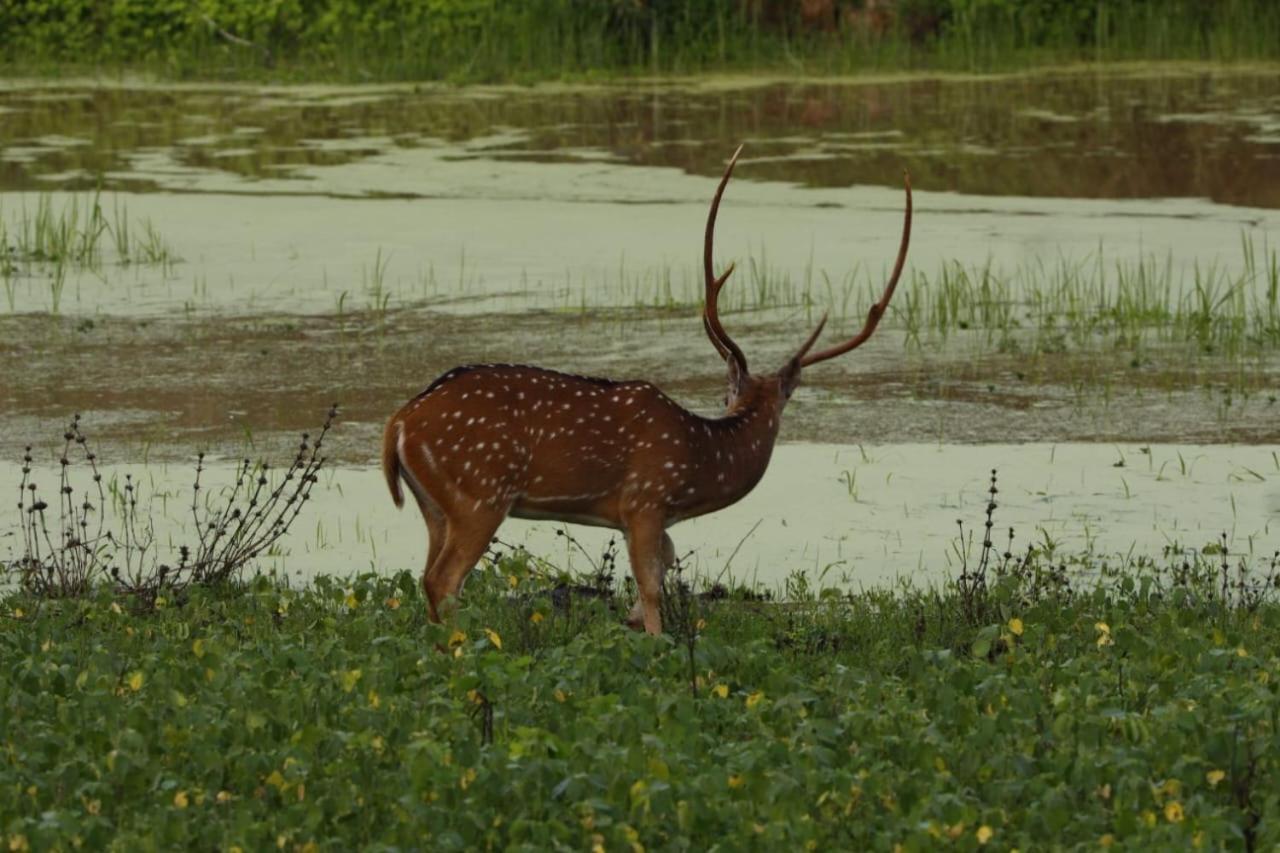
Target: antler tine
{"x": 878, "y": 309}
{"x": 813, "y": 338}
{"x": 710, "y": 312}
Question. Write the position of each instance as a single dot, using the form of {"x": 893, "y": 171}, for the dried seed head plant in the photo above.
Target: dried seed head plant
{"x": 71, "y": 555}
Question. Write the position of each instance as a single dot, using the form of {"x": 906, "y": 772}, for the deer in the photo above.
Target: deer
{"x": 485, "y": 442}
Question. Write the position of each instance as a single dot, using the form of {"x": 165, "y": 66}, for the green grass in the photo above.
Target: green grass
{"x": 1140, "y": 705}
{"x": 47, "y": 240}
{"x": 1048, "y": 306}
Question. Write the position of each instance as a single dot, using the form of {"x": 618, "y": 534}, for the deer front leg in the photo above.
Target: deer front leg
{"x": 651, "y": 551}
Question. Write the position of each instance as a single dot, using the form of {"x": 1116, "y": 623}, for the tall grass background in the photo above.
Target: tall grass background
{"x": 486, "y": 40}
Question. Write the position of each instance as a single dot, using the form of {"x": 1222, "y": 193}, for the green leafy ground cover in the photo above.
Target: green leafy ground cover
{"x": 1138, "y": 708}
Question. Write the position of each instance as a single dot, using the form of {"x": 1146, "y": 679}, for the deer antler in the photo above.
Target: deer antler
{"x": 710, "y": 313}
{"x": 877, "y": 310}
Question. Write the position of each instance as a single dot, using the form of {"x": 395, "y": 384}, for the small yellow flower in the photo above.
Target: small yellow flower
{"x": 468, "y": 776}
{"x": 457, "y": 638}
{"x": 349, "y": 678}
{"x": 18, "y": 843}
{"x": 115, "y": 608}
{"x": 1173, "y": 811}
{"x": 1213, "y": 777}
{"x": 375, "y": 701}
{"x": 223, "y": 797}
{"x": 493, "y": 637}
{"x": 1241, "y": 652}
{"x": 736, "y": 781}
{"x": 513, "y": 581}
{"x": 1149, "y": 818}
{"x": 985, "y": 832}
{"x": 1106, "y": 841}
{"x": 136, "y": 680}
{"x": 393, "y": 603}
{"x": 1015, "y": 628}
{"x": 720, "y": 691}
{"x": 1104, "y": 634}
{"x": 93, "y": 806}
{"x": 560, "y": 695}
{"x": 754, "y": 699}
{"x": 197, "y": 648}
{"x": 276, "y": 780}
{"x": 180, "y": 800}
{"x": 535, "y": 617}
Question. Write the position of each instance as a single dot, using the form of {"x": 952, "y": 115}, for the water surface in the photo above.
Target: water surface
{"x": 847, "y": 515}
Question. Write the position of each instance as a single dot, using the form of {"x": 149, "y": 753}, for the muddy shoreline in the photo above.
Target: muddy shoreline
{"x": 163, "y": 388}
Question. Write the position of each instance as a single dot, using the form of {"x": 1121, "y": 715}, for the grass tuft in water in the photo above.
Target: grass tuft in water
{"x": 45, "y": 243}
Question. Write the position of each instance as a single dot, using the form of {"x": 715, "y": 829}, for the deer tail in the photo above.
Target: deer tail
{"x": 391, "y": 459}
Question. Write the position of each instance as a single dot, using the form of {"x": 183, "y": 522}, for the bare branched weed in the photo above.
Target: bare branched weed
{"x": 69, "y": 555}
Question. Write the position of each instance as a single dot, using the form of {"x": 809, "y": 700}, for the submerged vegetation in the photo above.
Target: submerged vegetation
{"x": 488, "y": 40}
{"x": 1035, "y": 696}
{"x": 48, "y": 240}
{"x": 1152, "y": 310}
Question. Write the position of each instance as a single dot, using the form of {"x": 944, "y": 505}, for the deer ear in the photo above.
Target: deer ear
{"x": 789, "y": 377}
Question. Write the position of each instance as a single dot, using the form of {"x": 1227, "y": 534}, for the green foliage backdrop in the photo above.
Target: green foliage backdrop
{"x": 489, "y": 39}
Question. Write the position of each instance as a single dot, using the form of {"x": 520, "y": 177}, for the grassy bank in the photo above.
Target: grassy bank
{"x": 485, "y": 40}
{"x": 1032, "y": 701}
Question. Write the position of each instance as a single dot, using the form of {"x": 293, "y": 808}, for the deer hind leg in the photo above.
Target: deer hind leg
{"x": 649, "y": 548}
{"x": 635, "y": 618}
{"x": 437, "y": 529}
{"x": 465, "y": 542}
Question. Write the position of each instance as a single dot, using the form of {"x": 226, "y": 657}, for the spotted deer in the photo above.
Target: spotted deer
{"x": 488, "y": 441}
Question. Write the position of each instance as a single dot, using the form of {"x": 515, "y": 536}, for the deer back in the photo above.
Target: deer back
{"x": 545, "y": 444}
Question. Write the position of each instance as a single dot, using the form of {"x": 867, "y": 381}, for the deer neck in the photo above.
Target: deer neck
{"x": 735, "y": 455}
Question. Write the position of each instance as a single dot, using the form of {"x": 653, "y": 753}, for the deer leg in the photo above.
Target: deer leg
{"x": 464, "y": 545}
{"x": 436, "y": 530}
{"x": 645, "y": 547}
{"x": 636, "y": 617}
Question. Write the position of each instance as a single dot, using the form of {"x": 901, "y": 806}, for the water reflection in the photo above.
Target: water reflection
{"x": 1192, "y": 134}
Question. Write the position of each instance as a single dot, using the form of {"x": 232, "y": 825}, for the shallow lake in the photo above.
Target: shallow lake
{"x": 293, "y": 246}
